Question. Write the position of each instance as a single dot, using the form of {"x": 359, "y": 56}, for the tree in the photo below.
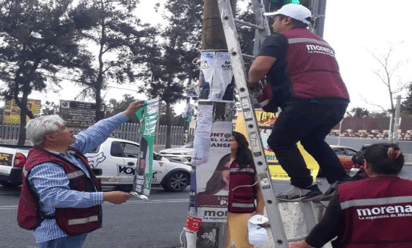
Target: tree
{"x": 176, "y": 120}
{"x": 50, "y": 108}
{"x": 380, "y": 115}
{"x": 358, "y": 113}
{"x": 168, "y": 61}
{"x": 387, "y": 72}
{"x": 407, "y": 104}
{"x": 120, "y": 38}
{"x": 38, "y": 42}
{"x": 116, "y": 107}
{"x": 1, "y": 113}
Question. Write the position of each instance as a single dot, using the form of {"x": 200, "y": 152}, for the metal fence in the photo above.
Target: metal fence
{"x": 130, "y": 131}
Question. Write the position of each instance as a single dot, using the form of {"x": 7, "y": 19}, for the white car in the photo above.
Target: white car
{"x": 117, "y": 158}
{"x": 181, "y": 154}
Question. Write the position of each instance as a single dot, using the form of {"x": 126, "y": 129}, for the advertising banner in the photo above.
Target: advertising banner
{"x": 144, "y": 170}
{"x": 265, "y": 121}
{"x": 11, "y": 113}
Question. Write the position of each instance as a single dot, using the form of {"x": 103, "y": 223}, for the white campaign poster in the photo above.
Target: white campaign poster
{"x": 202, "y": 134}
{"x": 216, "y": 81}
{"x": 223, "y": 79}
{"x": 207, "y": 216}
{"x": 212, "y": 176}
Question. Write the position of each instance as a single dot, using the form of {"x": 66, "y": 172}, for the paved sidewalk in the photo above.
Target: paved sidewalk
{"x": 293, "y": 221}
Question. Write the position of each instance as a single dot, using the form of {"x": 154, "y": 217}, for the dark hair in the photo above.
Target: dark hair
{"x": 216, "y": 183}
{"x": 385, "y": 158}
{"x": 295, "y": 23}
{"x": 243, "y": 154}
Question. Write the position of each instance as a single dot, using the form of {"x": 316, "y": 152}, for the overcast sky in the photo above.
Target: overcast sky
{"x": 354, "y": 31}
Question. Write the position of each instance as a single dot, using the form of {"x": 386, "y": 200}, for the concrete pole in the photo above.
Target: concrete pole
{"x": 397, "y": 118}
{"x": 318, "y": 12}
{"x": 213, "y": 40}
{"x": 390, "y": 128}
{"x": 340, "y": 131}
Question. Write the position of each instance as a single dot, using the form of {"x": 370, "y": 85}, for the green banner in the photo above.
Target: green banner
{"x": 148, "y": 118}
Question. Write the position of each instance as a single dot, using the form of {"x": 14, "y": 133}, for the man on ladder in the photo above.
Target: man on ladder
{"x": 304, "y": 77}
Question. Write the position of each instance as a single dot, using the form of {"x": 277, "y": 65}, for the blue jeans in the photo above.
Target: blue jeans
{"x": 308, "y": 121}
{"x": 65, "y": 242}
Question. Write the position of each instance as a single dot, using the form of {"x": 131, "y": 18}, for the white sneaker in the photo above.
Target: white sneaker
{"x": 310, "y": 193}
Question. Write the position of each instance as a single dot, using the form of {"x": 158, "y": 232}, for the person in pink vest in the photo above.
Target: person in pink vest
{"x": 60, "y": 197}
{"x": 236, "y": 173}
{"x": 306, "y": 85}
{"x": 245, "y": 195}
{"x": 372, "y": 212}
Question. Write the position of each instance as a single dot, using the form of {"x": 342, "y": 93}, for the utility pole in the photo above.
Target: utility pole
{"x": 397, "y": 118}
{"x": 214, "y": 119}
{"x": 318, "y": 12}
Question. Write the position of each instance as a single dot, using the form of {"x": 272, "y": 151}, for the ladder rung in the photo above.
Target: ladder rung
{"x": 247, "y": 56}
{"x": 249, "y": 24}
{"x": 296, "y": 239}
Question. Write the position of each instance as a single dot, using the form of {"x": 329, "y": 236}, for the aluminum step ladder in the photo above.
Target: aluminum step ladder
{"x": 234, "y": 49}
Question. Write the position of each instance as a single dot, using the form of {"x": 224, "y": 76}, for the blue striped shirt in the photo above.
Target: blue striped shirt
{"x": 52, "y": 184}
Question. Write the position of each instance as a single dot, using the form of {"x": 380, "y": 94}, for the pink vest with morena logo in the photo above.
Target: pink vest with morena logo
{"x": 72, "y": 221}
{"x": 377, "y": 212}
{"x": 242, "y": 193}
{"x": 312, "y": 67}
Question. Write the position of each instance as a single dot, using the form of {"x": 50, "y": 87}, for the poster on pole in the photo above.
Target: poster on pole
{"x": 216, "y": 80}
{"x": 11, "y": 113}
{"x": 148, "y": 116}
{"x": 206, "y": 222}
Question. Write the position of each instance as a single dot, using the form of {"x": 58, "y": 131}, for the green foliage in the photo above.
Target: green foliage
{"x": 358, "y": 113}
{"x": 119, "y": 36}
{"x": 50, "y": 108}
{"x": 168, "y": 61}
{"x": 38, "y": 41}
{"x": 406, "y": 106}
{"x": 246, "y": 34}
{"x": 380, "y": 115}
{"x": 114, "y": 107}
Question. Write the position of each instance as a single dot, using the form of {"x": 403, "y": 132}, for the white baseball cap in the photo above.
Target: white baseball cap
{"x": 295, "y": 11}
{"x": 257, "y": 235}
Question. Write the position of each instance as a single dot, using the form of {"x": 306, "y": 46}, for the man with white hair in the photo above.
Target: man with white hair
{"x": 60, "y": 196}
{"x": 305, "y": 83}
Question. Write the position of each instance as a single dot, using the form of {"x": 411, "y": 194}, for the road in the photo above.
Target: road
{"x": 154, "y": 223}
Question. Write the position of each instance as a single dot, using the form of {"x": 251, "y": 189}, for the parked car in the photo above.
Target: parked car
{"x": 345, "y": 155}
{"x": 114, "y": 162}
{"x": 181, "y": 154}
{"x": 117, "y": 158}
{"x": 12, "y": 160}
{"x": 357, "y": 172}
